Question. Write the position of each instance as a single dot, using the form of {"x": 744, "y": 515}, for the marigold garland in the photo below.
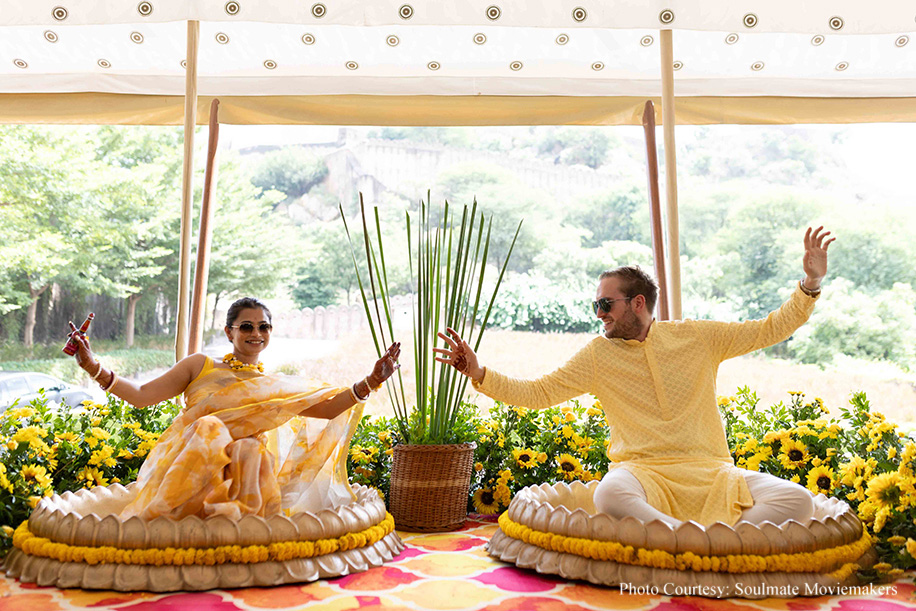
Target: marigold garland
{"x": 170, "y": 556}
{"x": 802, "y": 562}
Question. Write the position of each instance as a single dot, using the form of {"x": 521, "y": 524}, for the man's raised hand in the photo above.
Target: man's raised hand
{"x": 815, "y": 259}
{"x": 459, "y": 355}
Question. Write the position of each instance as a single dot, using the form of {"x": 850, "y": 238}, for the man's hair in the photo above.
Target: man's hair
{"x": 634, "y": 281}
{"x": 243, "y": 304}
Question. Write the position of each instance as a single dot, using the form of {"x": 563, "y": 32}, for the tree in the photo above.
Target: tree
{"x": 621, "y": 215}
{"x": 292, "y": 171}
{"x": 586, "y": 146}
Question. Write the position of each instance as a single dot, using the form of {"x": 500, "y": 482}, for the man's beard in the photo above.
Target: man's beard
{"x": 625, "y": 327}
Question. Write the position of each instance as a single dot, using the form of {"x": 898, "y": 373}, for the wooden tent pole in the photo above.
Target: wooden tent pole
{"x": 668, "y": 120}
{"x": 655, "y": 210}
{"x": 187, "y": 192}
{"x": 204, "y": 233}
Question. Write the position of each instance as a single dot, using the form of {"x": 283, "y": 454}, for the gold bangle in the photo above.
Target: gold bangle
{"x": 95, "y": 378}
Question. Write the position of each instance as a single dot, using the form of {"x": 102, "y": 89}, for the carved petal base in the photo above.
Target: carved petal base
{"x": 568, "y": 511}
{"x": 89, "y": 518}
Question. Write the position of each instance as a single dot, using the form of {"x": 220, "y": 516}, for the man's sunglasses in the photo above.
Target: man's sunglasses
{"x": 606, "y": 304}
{"x": 247, "y": 327}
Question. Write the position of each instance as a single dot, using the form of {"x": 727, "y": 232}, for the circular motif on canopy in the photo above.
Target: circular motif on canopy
{"x": 750, "y": 20}
{"x": 836, "y": 23}
{"x": 494, "y": 12}
{"x": 666, "y": 16}
{"x": 901, "y": 42}
{"x": 270, "y": 64}
{"x": 393, "y": 40}
{"x": 184, "y": 63}
{"x": 479, "y": 39}
{"x": 757, "y": 66}
{"x": 20, "y": 63}
{"x": 308, "y": 39}
{"x": 136, "y": 37}
{"x": 352, "y": 65}
{"x": 104, "y": 63}
{"x": 516, "y": 66}
{"x": 579, "y": 14}
{"x": 52, "y": 36}
{"x": 319, "y": 10}
{"x": 731, "y": 39}
{"x": 222, "y": 38}
{"x": 405, "y": 12}
{"x": 562, "y": 39}
{"x": 145, "y": 8}
{"x": 842, "y": 66}
{"x": 646, "y": 41}
{"x": 433, "y": 65}
{"x": 817, "y": 40}
{"x": 597, "y": 66}
{"x": 60, "y": 13}
{"x": 677, "y": 65}
{"x": 233, "y": 8}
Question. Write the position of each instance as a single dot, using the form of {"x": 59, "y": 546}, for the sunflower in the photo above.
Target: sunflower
{"x": 37, "y": 474}
{"x": 569, "y": 466}
{"x": 525, "y": 458}
{"x": 484, "y": 501}
{"x": 92, "y": 477}
{"x": 821, "y": 480}
{"x": 887, "y": 490}
{"x": 793, "y": 454}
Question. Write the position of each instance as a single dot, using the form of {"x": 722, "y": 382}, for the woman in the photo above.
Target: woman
{"x": 246, "y": 443}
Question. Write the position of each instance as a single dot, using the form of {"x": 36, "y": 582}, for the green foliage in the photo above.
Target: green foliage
{"x": 290, "y": 170}
{"x": 619, "y": 215}
{"x": 43, "y": 451}
{"x": 877, "y": 325}
{"x": 873, "y": 260}
{"x": 125, "y": 362}
{"x": 532, "y": 302}
{"x": 448, "y": 267}
{"x": 586, "y": 146}
{"x": 328, "y": 268}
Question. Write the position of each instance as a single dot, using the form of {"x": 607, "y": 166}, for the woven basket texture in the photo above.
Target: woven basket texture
{"x": 429, "y": 486}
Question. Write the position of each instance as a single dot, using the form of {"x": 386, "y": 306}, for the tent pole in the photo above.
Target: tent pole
{"x": 655, "y": 210}
{"x": 187, "y": 192}
{"x": 668, "y": 120}
{"x": 204, "y": 233}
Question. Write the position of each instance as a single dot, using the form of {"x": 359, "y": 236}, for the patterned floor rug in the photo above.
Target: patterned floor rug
{"x": 450, "y": 571}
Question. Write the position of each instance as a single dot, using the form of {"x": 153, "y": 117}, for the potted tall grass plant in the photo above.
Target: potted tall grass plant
{"x": 432, "y": 466}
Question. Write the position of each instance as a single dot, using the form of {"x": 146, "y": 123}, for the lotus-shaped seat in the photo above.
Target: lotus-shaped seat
{"x": 77, "y": 540}
{"x": 556, "y": 530}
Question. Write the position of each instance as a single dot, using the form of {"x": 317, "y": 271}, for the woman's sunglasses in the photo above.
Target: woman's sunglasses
{"x": 247, "y": 327}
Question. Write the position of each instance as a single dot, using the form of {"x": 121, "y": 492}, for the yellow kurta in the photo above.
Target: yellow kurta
{"x": 240, "y": 447}
{"x": 659, "y": 396}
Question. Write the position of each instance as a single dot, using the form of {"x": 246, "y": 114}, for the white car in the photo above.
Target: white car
{"x": 25, "y": 386}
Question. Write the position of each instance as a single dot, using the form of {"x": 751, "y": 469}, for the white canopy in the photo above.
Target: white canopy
{"x": 477, "y": 61}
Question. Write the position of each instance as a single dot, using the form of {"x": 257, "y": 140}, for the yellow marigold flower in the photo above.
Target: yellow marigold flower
{"x": 18, "y": 413}
{"x": 28, "y": 433}
{"x": 525, "y": 458}
{"x": 882, "y": 567}
{"x": 821, "y": 480}
{"x": 911, "y": 548}
{"x": 567, "y": 431}
{"x": 796, "y": 393}
{"x": 7, "y": 530}
{"x": 887, "y": 490}
{"x": 793, "y": 454}
{"x": 102, "y": 434}
{"x": 568, "y": 466}
{"x": 385, "y": 437}
{"x": 895, "y": 572}
{"x": 389, "y": 452}
{"x": 33, "y": 501}
{"x": 542, "y": 457}
{"x": 570, "y": 417}
{"x": 795, "y": 479}
{"x": 11, "y": 445}
{"x": 774, "y": 436}
{"x": 484, "y": 502}
{"x": 478, "y": 466}
{"x": 95, "y": 421}
{"x": 594, "y": 411}
{"x": 555, "y": 419}
{"x": 92, "y": 441}
{"x": 891, "y": 453}
{"x": 896, "y": 540}
{"x": 722, "y": 401}
{"x": 68, "y": 436}
{"x": 502, "y": 494}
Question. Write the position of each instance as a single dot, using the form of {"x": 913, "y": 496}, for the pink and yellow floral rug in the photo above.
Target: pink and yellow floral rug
{"x": 449, "y": 571}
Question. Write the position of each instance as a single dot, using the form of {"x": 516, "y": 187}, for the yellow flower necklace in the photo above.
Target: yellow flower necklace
{"x": 237, "y": 365}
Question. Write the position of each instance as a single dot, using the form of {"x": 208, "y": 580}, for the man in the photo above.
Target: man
{"x": 656, "y": 381}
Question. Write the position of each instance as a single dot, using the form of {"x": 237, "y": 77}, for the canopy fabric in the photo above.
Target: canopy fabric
{"x": 746, "y": 61}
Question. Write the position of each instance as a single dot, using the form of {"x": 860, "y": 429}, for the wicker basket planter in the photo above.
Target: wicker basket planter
{"x": 429, "y": 486}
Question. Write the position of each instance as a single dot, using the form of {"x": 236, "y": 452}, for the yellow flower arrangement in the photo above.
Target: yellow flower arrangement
{"x": 569, "y": 467}
{"x": 525, "y": 458}
{"x": 820, "y": 480}
{"x": 484, "y": 501}
{"x": 793, "y": 454}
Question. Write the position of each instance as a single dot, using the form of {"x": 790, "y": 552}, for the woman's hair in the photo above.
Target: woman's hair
{"x": 242, "y": 304}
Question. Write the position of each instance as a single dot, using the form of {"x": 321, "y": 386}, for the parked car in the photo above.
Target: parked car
{"x": 25, "y": 386}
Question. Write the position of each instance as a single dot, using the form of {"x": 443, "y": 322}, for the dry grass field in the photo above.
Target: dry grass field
{"x": 525, "y": 354}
